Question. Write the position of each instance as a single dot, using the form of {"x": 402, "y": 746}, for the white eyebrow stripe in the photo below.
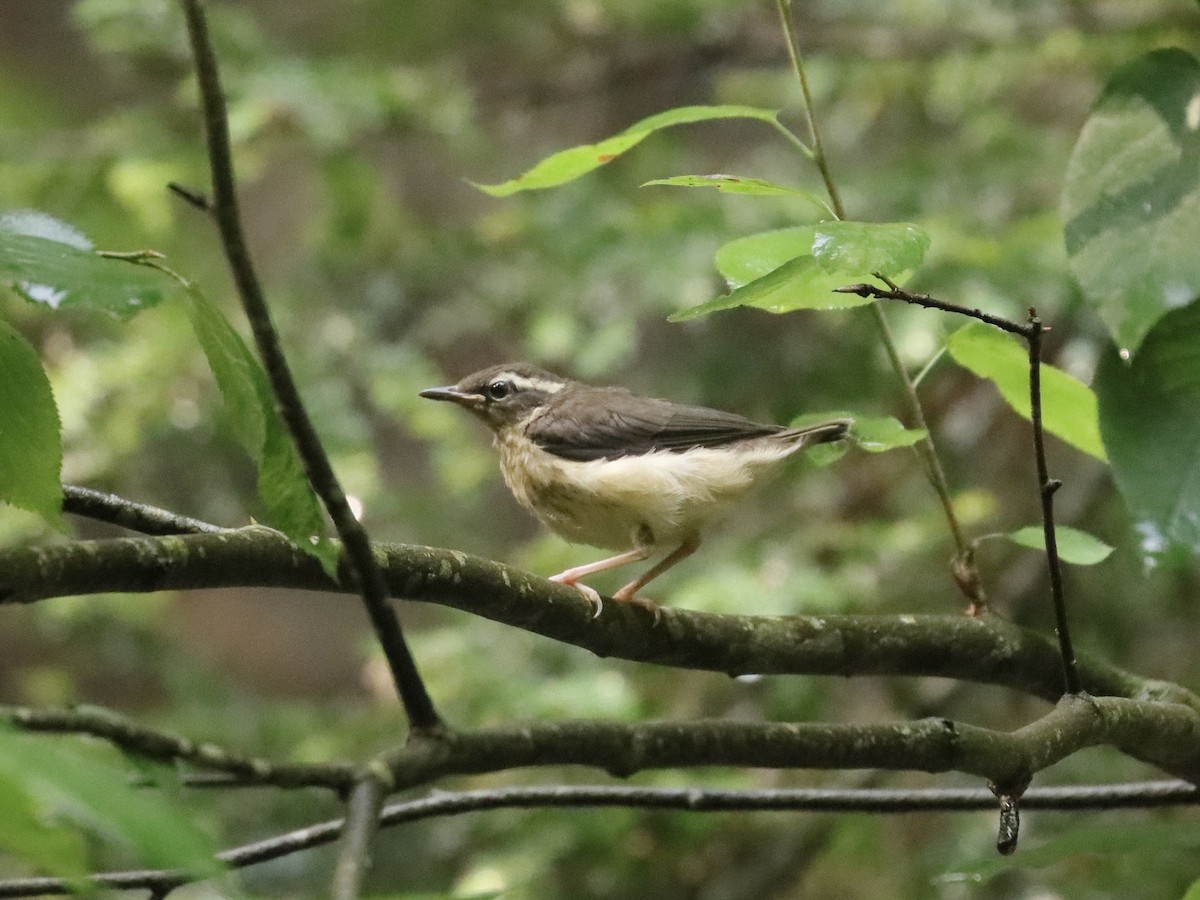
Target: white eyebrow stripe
{"x": 523, "y": 383}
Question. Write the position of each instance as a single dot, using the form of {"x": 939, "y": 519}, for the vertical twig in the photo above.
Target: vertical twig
{"x": 963, "y": 568}
{"x": 363, "y": 571}
{"x": 362, "y": 824}
{"x": 1046, "y": 488}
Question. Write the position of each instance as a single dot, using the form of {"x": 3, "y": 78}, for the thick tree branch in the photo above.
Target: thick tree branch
{"x": 1166, "y": 735}
{"x": 985, "y": 650}
{"x": 362, "y": 573}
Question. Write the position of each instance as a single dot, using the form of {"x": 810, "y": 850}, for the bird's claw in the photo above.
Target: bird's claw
{"x": 590, "y": 594}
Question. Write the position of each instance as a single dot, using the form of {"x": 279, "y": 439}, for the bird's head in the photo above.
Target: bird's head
{"x": 504, "y": 395}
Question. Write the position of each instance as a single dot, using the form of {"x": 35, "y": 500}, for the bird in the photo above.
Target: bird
{"x": 607, "y": 467}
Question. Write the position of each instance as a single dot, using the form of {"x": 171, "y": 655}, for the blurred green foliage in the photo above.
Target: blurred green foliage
{"x": 356, "y": 128}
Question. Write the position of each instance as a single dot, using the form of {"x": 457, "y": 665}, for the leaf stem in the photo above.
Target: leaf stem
{"x": 966, "y": 575}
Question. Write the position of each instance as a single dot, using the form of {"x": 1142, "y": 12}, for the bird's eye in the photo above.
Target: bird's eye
{"x": 500, "y": 389}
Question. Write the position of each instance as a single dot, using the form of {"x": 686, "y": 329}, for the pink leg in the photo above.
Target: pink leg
{"x": 571, "y": 576}
{"x": 627, "y": 594}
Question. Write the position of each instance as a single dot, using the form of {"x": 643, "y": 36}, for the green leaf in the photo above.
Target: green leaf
{"x": 289, "y": 500}
{"x": 860, "y": 248}
{"x": 781, "y": 271}
{"x": 30, "y": 435}
{"x": 1151, "y": 429}
{"x": 732, "y": 184}
{"x": 567, "y": 165}
{"x": 1131, "y": 201}
{"x": 50, "y": 263}
{"x": 27, "y": 835}
{"x": 66, "y": 780}
{"x": 799, "y": 283}
{"x": 1074, "y": 546}
{"x": 745, "y": 259}
{"x": 1068, "y": 405}
{"x": 877, "y": 434}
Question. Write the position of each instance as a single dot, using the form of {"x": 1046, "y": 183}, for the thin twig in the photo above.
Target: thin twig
{"x": 1138, "y": 795}
{"x": 816, "y": 148}
{"x": 363, "y": 570}
{"x": 1032, "y": 332}
{"x": 191, "y": 196}
{"x": 110, "y": 508}
{"x": 1046, "y": 488}
{"x": 361, "y": 825}
{"x": 895, "y": 292}
{"x": 163, "y": 746}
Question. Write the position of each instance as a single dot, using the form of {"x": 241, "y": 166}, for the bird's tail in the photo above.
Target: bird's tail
{"x": 820, "y": 433}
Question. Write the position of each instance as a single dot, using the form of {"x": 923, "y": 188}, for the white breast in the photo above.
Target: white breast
{"x": 648, "y": 500}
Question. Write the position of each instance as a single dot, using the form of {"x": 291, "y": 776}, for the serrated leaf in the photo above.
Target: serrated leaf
{"x": 30, "y": 435}
{"x": 50, "y": 263}
{"x": 734, "y": 184}
{"x": 71, "y": 782}
{"x": 1068, "y": 405}
{"x": 282, "y": 486}
{"x": 1149, "y": 421}
{"x": 1074, "y": 546}
{"x": 567, "y": 165}
{"x": 799, "y": 283}
{"x": 860, "y": 248}
{"x": 1131, "y": 199}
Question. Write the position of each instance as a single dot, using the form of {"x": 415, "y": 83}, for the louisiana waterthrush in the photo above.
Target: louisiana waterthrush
{"x": 603, "y": 466}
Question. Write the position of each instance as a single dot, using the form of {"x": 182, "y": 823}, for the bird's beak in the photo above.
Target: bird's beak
{"x": 453, "y": 394}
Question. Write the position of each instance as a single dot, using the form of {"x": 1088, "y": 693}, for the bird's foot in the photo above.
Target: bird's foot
{"x": 590, "y": 593}
{"x": 626, "y": 596}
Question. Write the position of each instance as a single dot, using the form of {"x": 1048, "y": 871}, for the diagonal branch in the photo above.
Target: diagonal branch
{"x": 363, "y": 572}
{"x": 110, "y": 508}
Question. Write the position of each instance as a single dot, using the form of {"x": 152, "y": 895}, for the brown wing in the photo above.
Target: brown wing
{"x": 608, "y": 423}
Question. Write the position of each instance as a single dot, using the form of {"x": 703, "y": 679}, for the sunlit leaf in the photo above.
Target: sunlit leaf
{"x": 799, "y": 283}
{"x": 30, "y": 436}
{"x": 567, "y": 165}
{"x": 745, "y": 259}
{"x": 50, "y": 263}
{"x": 860, "y": 248}
{"x": 1068, "y": 405}
{"x": 1074, "y": 546}
{"x": 1151, "y": 429}
{"x": 1131, "y": 200}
